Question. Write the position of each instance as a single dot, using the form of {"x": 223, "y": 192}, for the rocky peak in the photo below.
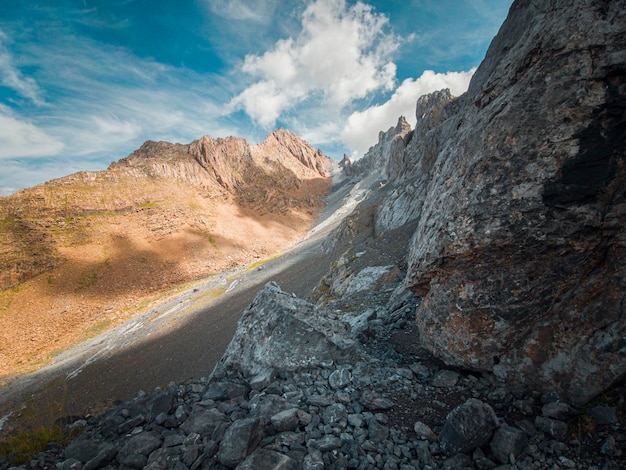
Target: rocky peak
{"x": 294, "y": 153}
{"x": 382, "y": 158}
{"x": 431, "y": 103}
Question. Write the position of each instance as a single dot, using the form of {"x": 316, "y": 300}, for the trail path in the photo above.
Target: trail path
{"x": 182, "y": 338}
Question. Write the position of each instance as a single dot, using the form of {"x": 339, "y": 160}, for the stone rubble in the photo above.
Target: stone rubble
{"x": 381, "y": 409}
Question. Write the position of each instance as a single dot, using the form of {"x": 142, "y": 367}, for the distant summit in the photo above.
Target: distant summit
{"x": 82, "y": 248}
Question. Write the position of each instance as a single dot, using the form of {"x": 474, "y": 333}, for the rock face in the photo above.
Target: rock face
{"x": 519, "y": 190}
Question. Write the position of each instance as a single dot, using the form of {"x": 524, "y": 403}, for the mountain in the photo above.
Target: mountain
{"x": 476, "y": 305}
{"x": 517, "y": 190}
{"x": 81, "y": 253}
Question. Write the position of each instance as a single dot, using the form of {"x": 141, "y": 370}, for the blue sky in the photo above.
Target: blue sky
{"x": 85, "y": 82}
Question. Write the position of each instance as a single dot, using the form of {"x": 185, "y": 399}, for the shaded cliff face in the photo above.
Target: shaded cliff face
{"x": 518, "y": 188}
{"x": 85, "y": 252}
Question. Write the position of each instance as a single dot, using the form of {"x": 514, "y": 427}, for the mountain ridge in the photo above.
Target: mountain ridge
{"x": 103, "y": 241}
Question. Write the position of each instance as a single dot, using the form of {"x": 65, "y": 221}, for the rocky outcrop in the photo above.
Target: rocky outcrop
{"x": 519, "y": 189}
{"x": 282, "y": 146}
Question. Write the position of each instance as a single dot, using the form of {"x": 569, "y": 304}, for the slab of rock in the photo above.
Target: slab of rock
{"x": 281, "y": 332}
{"x": 240, "y": 440}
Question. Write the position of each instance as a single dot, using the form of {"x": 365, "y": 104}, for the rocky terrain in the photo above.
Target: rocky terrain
{"x": 474, "y": 314}
{"x": 83, "y": 253}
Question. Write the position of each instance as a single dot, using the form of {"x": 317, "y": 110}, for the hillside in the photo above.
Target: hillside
{"x": 85, "y": 252}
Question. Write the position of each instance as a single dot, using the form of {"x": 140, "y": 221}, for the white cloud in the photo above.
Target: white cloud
{"x": 361, "y": 129}
{"x": 259, "y": 11}
{"x": 11, "y": 77}
{"x": 21, "y": 138}
{"x": 340, "y": 55}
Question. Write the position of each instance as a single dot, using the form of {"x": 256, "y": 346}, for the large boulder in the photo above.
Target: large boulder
{"x": 519, "y": 249}
{"x": 278, "y": 332}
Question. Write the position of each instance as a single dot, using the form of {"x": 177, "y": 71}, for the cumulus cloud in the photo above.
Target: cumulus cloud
{"x": 341, "y": 54}
{"x": 361, "y": 129}
{"x": 21, "y": 138}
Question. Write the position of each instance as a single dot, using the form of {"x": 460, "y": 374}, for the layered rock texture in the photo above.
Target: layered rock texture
{"x": 518, "y": 190}
{"x": 85, "y": 252}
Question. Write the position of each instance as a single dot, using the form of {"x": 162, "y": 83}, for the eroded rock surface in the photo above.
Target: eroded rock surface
{"x": 518, "y": 188}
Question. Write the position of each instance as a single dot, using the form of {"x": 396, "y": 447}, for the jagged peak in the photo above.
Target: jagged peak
{"x": 426, "y": 103}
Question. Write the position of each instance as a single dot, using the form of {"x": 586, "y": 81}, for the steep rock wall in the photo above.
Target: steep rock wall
{"x": 520, "y": 192}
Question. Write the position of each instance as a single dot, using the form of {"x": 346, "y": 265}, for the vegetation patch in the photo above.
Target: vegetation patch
{"x": 261, "y": 262}
{"x": 21, "y": 447}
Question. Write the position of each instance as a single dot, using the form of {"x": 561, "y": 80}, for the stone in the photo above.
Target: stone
{"x": 467, "y": 426}
{"x": 340, "y": 378}
{"x": 263, "y": 458}
{"x": 82, "y": 450}
{"x": 204, "y": 422}
{"x": 603, "y": 414}
{"x": 326, "y": 443}
{"x": 559, "y": 410}
{"x": 336, "y": 415}
{"x": 105, "y": 455}
{"x": 221, "y": 391}
{"x": 507, "y": 440}
{"x": 240, "y": 440}
{"x": 373, "y": 402}
{"x": 552, "y": 427}
{"x": 445, "y": 379}
{"x": 262, "y": 379}
{"x": 284, "y": 333}
{"x": 140, "y": 444}
{"x": 286, "y": 420}
{"x": 424, "y": 431}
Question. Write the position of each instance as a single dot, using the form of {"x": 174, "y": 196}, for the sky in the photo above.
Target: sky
{"x": 84, "y": 83}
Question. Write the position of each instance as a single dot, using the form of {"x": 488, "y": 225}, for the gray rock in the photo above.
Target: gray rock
{"x": 286, "y": 420}
{"x": 559, "y": 410}
{"x": 467, "y": 426}
{"x": 240, "y": 440}
{"x": 266, "y": 459}
{"x": 424, "y": 432}
{"x": 326, "y": 443}
{"x": 83, "y": 450}
{"x": 374, "y": 402}
{"x": 262, "y": 379}
{"x": 220, "y": 391}
{"x": 515, "y": 207}
{"x": 140, "y": 444}
{"x": 552, "y": 427}
{"x": 284, "y": 333}
{"x": 604, "y": 414}
{"x": 336, "y": 415}
{"x": 105, "y": 455}
{"x": 340, "y": 378}
{"x": 445, "y": 379}
{"x": 507, "y": 441}
{"x": 203, "y": 422}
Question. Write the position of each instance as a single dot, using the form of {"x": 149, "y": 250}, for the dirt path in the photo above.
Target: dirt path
{"x": 180, "y": 339}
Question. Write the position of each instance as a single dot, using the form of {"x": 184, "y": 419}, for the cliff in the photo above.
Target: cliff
{"x": 517, "y": 189}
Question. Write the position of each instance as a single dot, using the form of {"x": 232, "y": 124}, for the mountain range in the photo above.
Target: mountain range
{"x": 82, "y": 253}
{"x": 486, "y": 259}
